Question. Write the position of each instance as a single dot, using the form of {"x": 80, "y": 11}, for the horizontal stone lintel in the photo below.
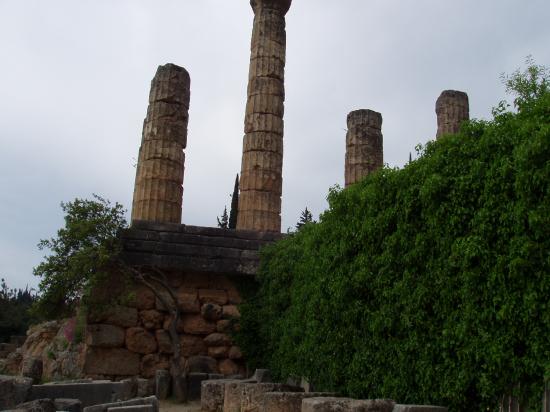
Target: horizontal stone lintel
{"x": 194, "y": 264}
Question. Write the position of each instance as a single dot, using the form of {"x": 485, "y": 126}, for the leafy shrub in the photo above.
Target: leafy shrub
{"x": 429, "y": 284}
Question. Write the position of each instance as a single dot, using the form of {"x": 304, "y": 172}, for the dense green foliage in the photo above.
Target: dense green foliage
{"x": 428, "y": 284}
{"x": 80, "y": 258}
{"x": 14, "y": 315}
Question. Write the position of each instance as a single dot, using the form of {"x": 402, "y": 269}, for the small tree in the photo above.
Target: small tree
{"x": 85, "y": 255}
{"x": 234, "y": 205}
{"x": 223, "y": 221}
{"x": 305, "y": 218}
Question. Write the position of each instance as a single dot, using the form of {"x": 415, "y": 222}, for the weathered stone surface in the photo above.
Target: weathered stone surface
{"x": 452, "y": 109}
{"x": 202, "y": 364}
{"x": 211, "y": 311}
{"x": 261, "y": 173}
{"x": 332, "y": 404}
{"x": 162, "y": 384}
{"x": 13, "y": 390}
{"x": 212, "y": 394}
{"x": 32, "y": 367}
{"x": 145, "y": 387}
{"x": 151, "y": 319}
{"x": 38, "y": 405}
{"x": 150, "y": 400}
{"x": 232, "y": 396}
{"x": 195, "y": 325}
{"x": 231, "y": 312}
{"x": 286, "y": 401}
{"x": 69, "y": 405}
{"x": 159, "y": 173}
{"x": 218, "y": 352}
{"x": 192, "y": 345}
{"x": 364, "y": 145}
{"x": 143, "y": 298}
{"x": 235, "y": 353}
{"x": 132, "y": 408}
{"x": 228, "y": 367}
{"x": 107, "y": 336}
{"x": 164, "y": 341}
{"x": 151, "y": 363}
{"x": 213, "y": 296}
{"x": 188, "y": 300}
{"x": 252, "y": 394}
{"x": 418, "y": 408}
{"x": 115, "y": 361}
{"x": 140, "y": 341}
{"x": 123, "y": 316}
{"x": 217, "y": 339}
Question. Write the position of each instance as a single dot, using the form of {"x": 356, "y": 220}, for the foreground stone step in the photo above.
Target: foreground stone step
{"x": 212, "y": 394}
{"x": 333, "y": 404}
{"x": 133, "y": 408}
{"x": 419, "y": 408}
{"x": 149, "y": 401}
{"x": 252, "y": 394}
{"x": 288, "y": 401}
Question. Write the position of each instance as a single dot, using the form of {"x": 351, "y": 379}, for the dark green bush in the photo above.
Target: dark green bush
{"x": 429, "y": 284}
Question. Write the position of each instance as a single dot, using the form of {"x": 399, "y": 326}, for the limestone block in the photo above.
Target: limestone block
{"x": 145, "y": 387}
{"x": 159, "y": 189}
{"x": 188, "y": 300}
{"x": 264, "y": 122}
{"x": 160, "y": 169}
{"x": 164, "y": 341}
{"x": 117, "y": 315}
{"x": 38, "y": 405}
{"x": 265, "y": 103}
{"x": 211, "y": 311}
{"x": 161, "y": 110}
{"x": 108, "y": 336}
{"x": 151, "y": 319}
{"x": 151, "y": 363}
{"x": 258, "y": 219}
{"x": 163, "y": 150}
{"x": 452, "y": 109}
{"x": 252, "y": 395}
{"x": 235, "y": 353}
{"x": 213, "y": 296}
{"x": 195, "y": 325}
{"x": 262, "y": 160}
{"x": 111, "y": 361}
{"x": 332, "y": 404}
{"x": 418, "y": 408}
{"x": 162, "y": 384}
{"x": 166, "y": 130}
{"x": 13, "y": 390}
{"x": 228, "y": 367}
{"x": 170, "y": 84}
{"x": 260, "y": 201}
{"x": 132, "y": 408}
{"x": 266, "y": 85}
{"x": 158, "y": 209}
{"x": 68, "y": 405}
{"x": 217, "y": 339}
{"x": 192, "y": 345}
{"x": 218, "y": 352}
{"x": 144, "y": 299}
{"x": 262, "y": 180}
{"x": 212, "y": 394}
{"x": 364, "y": 145}
{"x": 150, "y": 400}
{"x": 264, "y": 142}
{"x": 202, "y": 364}
{"x": 286, "y": 401}
{"x": 226, "y": 325}
{"x": 231, "y": 312}
{"x": 140, "y": 341}
{"x": 269, "y": 48}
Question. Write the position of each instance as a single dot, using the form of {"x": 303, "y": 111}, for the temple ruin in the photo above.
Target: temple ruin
{"x": 452, "y": 109}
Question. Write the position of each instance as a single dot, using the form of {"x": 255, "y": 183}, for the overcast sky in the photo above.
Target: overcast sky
{"x": 75, "y": 77}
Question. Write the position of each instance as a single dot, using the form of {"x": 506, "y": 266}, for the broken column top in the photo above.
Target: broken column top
{"x": 281, "y": 5}
{"x": 171, "y": 84}
{"x": 451, "y": 95}
{"x": 364, "y": 117}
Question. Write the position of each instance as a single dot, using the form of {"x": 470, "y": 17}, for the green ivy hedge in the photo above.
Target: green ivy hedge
{"x": 427, "y": 284}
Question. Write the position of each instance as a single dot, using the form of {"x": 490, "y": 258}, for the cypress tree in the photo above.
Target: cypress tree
{"x": 234, "y": 205}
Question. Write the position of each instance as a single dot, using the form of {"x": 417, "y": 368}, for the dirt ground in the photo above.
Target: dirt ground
{"x": 169, "y": 406}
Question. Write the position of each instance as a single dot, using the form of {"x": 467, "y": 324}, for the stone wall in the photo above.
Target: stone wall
{"x": 203, "y": 267}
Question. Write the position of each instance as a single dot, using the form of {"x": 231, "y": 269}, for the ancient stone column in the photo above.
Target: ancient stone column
{"x": 364, "y": 145}
{"x": 452, "y": 108}
{"x": 262, "y": 162}
{"x": 158, "y": 189}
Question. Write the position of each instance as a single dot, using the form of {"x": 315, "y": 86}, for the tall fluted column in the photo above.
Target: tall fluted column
{"x": 262, "y": 162}
{"x": 364, "y": 145}
{"x": 158, "y": 189}
{"x": 452, "y": 108}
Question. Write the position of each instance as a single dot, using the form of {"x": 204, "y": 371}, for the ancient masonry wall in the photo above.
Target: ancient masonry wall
{"x": 262, "y": 161}
{"x": 204, "y": 267}
{"x": 158, "y": 188}
{"x": 133, "y": 340}
{"x": 364, "y": 145}
{"x": 452, "y": 108}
